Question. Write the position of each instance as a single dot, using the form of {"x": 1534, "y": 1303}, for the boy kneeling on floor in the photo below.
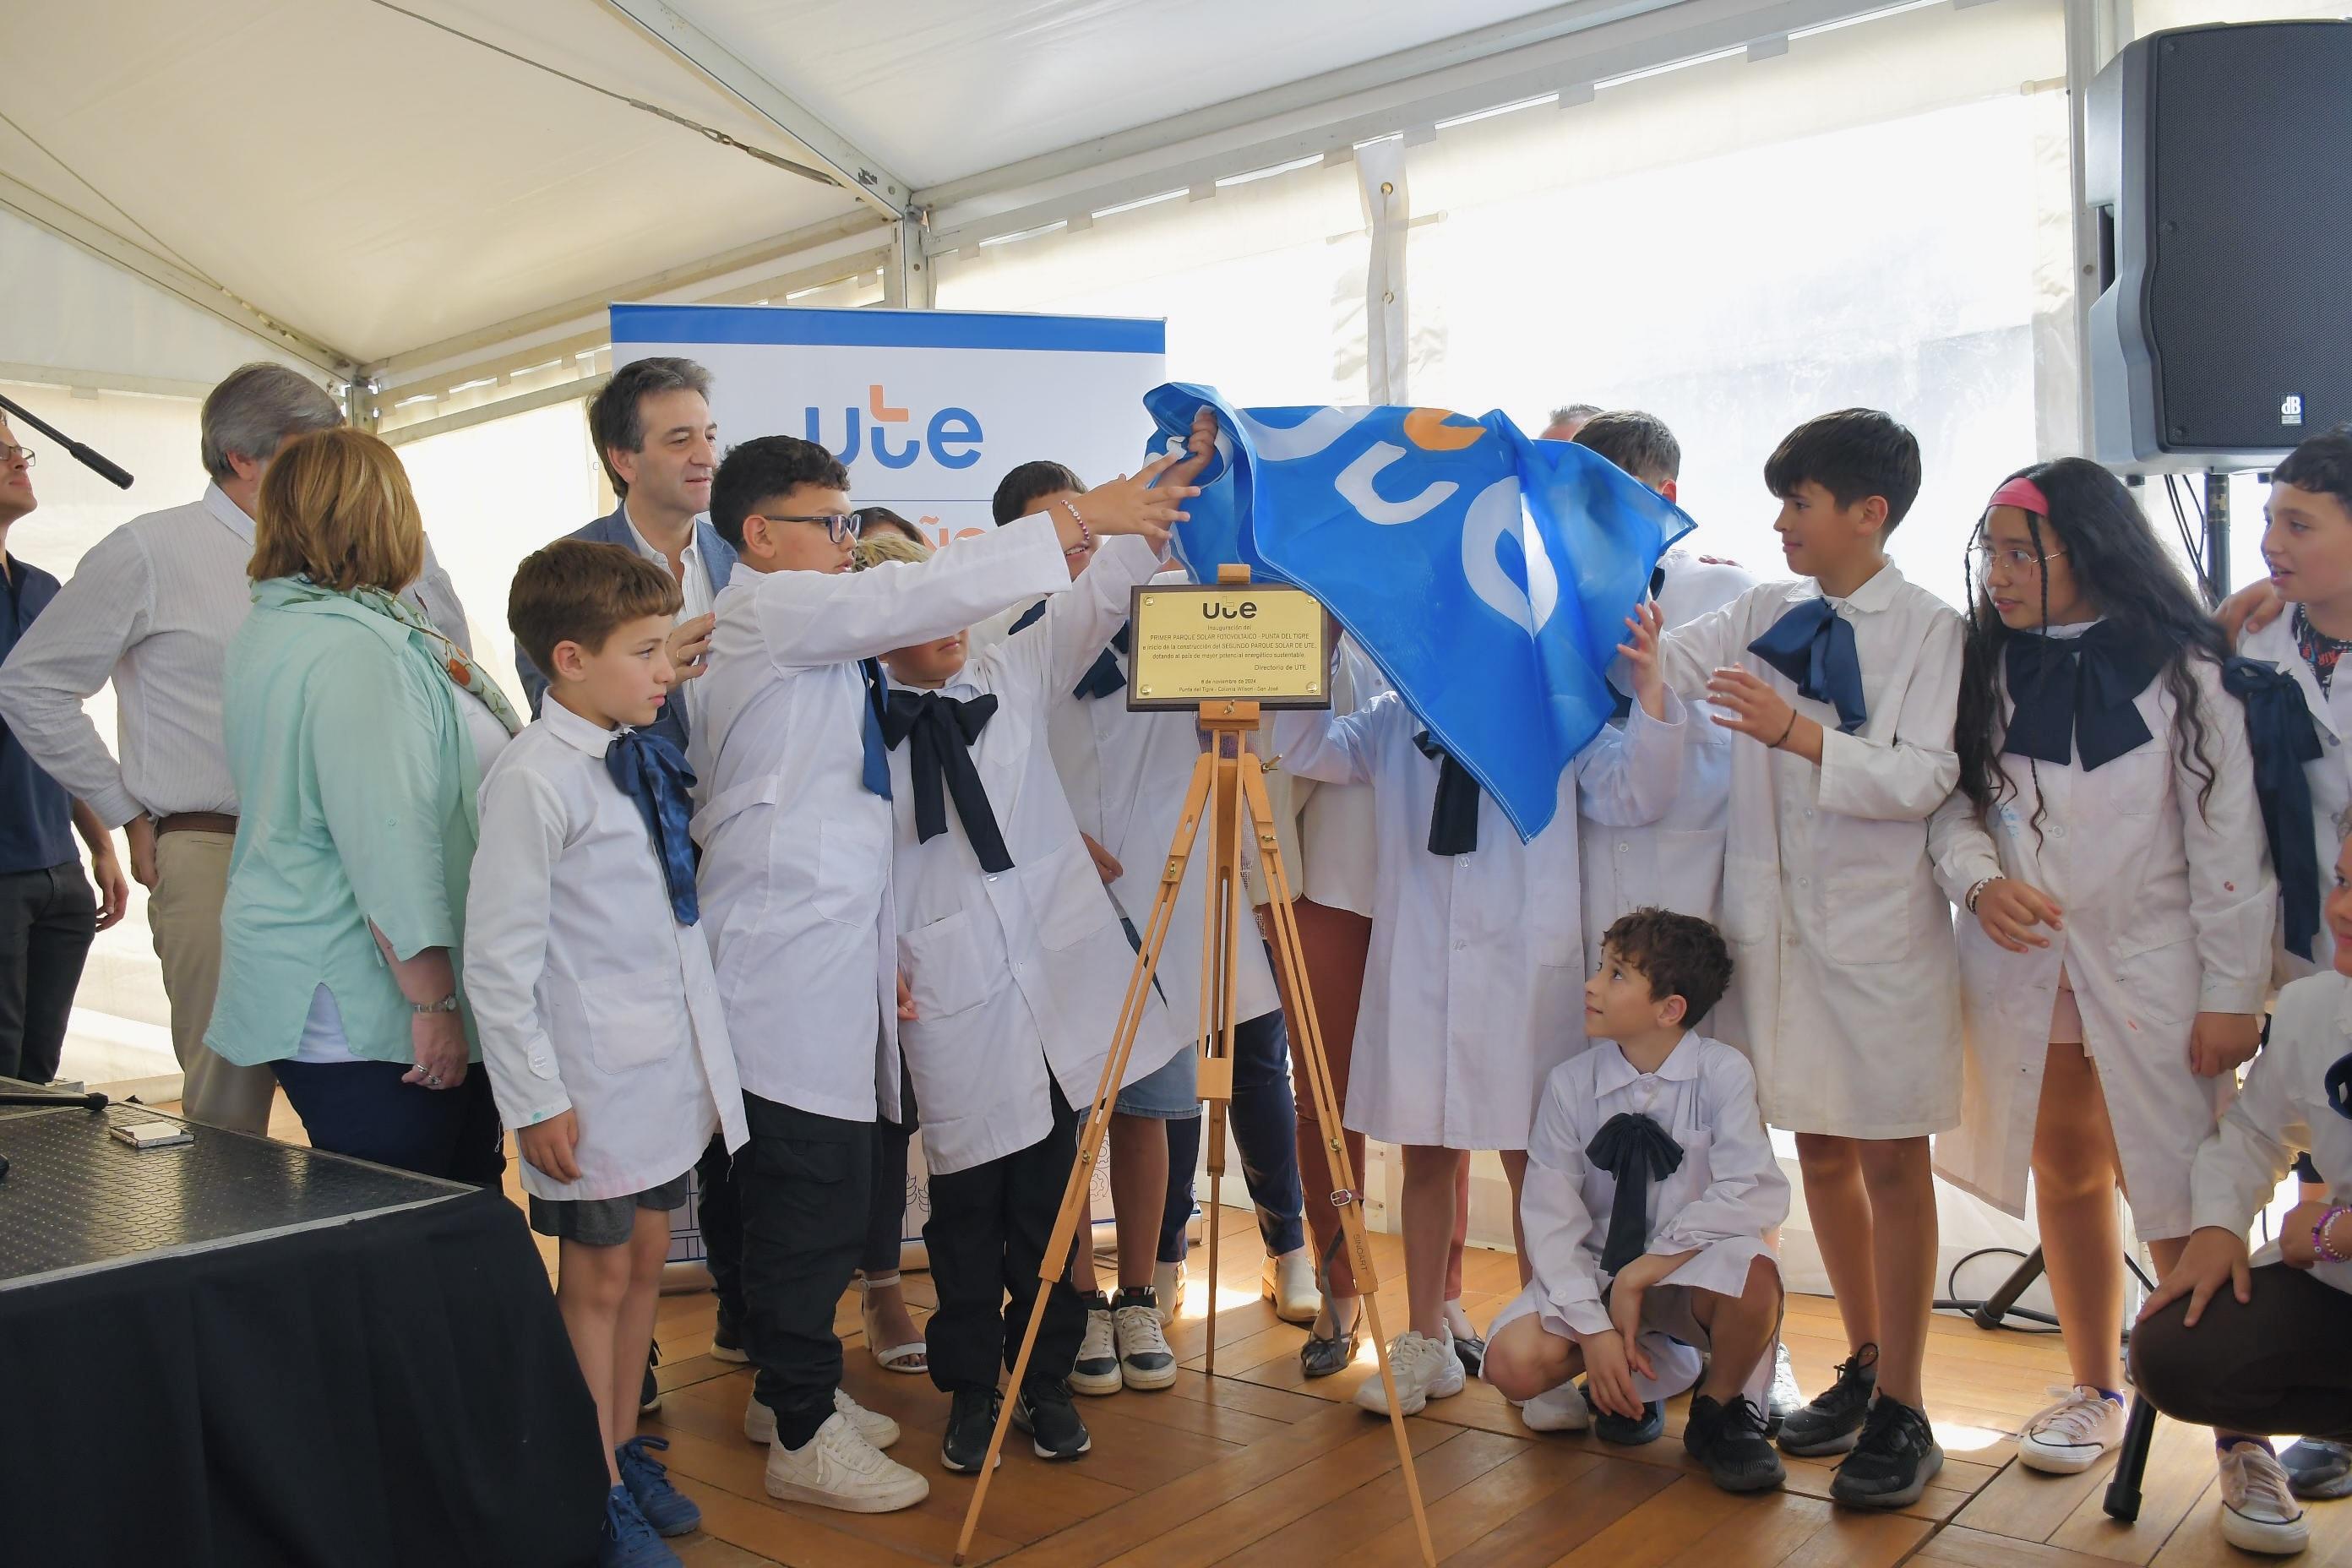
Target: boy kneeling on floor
{"x": 1651, "y": 1183}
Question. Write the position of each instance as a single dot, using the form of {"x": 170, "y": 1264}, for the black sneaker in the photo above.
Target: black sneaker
{"x": 1050, "y": 1417}
{"x": 1471, "y": 1350}
{"x": 972, "y": 1421}
{"x": 1830, "y": 1424}
{"x": 2317, "y": 1470}
{"x": 649, "y": 1391}
{"x": 1614, "y": 1428}
{"x": 727, "y": 1339}
{"x": 1892, "y": 1460}
{"x": 1729, "y": 1440}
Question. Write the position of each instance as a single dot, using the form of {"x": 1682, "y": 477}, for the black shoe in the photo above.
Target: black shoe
{"x": 1631, "y": 1434}
{"x": 1320, "y": 1357}
{"x": 727, "y": 1339}
{"x": 1471, "y": 1350}
{"x": 649, "y": 1391}
{"x": 2317, "y": 1470}
{"x": 1830, "y": 1424}
{"x": 972, "y": 1421}
{"x": 1892, "y": 1460}
{"x": 1729, "y": 1440}
{"x": 1050, "y": 1417}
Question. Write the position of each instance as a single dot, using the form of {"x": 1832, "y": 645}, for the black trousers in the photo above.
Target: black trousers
{"x": 47, "y": 919}
{"x": 803, "y": 1181}
{"x": 2275, "y": 1365}
{"x": 986, "y": 1235}
{"x": 720, "y": 1211}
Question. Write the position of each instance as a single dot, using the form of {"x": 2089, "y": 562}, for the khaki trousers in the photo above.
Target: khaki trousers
{"x": 183, "y": 913}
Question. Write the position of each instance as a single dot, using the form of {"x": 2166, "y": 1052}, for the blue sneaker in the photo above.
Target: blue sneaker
{"x": 629, "y": 1540}
{"x": 670, "y": 1511}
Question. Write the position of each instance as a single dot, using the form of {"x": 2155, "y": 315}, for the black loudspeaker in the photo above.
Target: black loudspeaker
{"x": 2219, "y": 172}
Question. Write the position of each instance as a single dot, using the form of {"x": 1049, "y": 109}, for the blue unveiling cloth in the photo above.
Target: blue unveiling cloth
{"x": 1488, "y": 575}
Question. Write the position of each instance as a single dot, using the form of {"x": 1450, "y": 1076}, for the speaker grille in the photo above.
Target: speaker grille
{"x": 2250, "y": 233}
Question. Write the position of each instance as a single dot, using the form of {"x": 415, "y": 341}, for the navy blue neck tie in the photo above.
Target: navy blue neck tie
{"x": 2077, "y": 694}
{"x": 2284, "y": 738}
{"x": 940, "y": 762}
{"x": 1029, "y": 618}
{"x": 1453, "y": 814}
{"x": 1636, "y": 1150}
{"x": 1813, "y": 646}
{"x": 877, "y": 752}
{"x": 1102, "y": 678}
{"x": 650, "y": 772}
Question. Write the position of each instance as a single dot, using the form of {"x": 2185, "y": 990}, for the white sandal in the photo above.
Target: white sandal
{"x": 913, "y": 1358}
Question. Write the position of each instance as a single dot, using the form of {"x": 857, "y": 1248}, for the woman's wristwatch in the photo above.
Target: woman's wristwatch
{"x": 447, "y": 1005}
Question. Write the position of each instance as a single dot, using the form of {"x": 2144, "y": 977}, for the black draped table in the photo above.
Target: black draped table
{"x": 239, "y": 1353}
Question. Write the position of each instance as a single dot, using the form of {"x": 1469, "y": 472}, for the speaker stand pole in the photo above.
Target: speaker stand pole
{"x": 2217, "y": 534}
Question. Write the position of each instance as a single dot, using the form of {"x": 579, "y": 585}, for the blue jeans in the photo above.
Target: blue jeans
{"x": 1265, "y": 1126}
{"x": 363, "y": 1110}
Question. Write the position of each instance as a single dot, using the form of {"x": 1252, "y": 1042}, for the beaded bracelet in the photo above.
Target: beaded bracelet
{"x": 1969, "y": 904}
{"x": 1086, "y": 535}
{"x": 2320, "y": 1244}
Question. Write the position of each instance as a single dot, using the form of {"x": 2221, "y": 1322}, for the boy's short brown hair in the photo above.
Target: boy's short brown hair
{"x": 1679, "y": 955}
{"x": 573, "y": 591}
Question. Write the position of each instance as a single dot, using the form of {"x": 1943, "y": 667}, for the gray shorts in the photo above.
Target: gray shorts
{"x": 604, "y": 1222}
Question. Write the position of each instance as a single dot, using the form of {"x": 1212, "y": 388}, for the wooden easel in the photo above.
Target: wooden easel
{"x": 1229, "y": 788}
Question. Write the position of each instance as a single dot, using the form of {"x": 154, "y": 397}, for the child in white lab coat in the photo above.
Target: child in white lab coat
{"x": 794, "y": 822}
{"x": 2256, "y": 1344}
{"x": 1470, "y": 990}
{"x": 1651, "y": 1185}
{"x": 2107, "y": 840}
{"x": 1017, "y": 969}
{"x": 1848, "y": 991}
{"x": 600, "y": 1019}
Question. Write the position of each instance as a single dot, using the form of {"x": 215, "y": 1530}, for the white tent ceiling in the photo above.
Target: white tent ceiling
{"x": 365, "y": 187}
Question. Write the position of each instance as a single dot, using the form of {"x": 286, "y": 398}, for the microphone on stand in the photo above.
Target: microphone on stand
{"x": 96, "y": 462}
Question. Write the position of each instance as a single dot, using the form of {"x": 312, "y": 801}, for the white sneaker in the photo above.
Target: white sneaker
{"x": 760, "y": 1422}
{"x": 2073, "y": 1435}
{"x": 2258, "y": 1512}
{"x": 839, "y": 1469}
{"x": 1167, "y": 1289}
{"x": 1560, "y": 1409}
{"x": 1425, "y": 1369}
{"x": 1290, "y": 1286}
{"x": 1096, "y": 1371}
{"x": 1144, "y": 1359}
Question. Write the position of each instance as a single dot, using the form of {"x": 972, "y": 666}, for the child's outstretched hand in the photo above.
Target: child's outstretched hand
{"x": 548, "y": 1146}
{"x": 1640, "y": 651}
{"x": 2009, "y": 909}
{"x": 1752, "y": 707}
{"x": 1142, "y": 504}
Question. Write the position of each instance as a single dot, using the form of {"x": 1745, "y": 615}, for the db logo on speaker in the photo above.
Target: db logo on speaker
{"x": 2290, "y": 410}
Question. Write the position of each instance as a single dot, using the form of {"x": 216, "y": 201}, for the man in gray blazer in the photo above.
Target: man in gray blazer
{"x": 652, "y": 432}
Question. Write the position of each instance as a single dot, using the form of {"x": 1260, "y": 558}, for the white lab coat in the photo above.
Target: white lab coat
{"x": 1676, "y": 862}
{"x": 1717, "y": 1206}
{"x": 1017, "y": 972}
{"x": 1338, "y": 826}
{"x": 589, "y": 996}
{"x": 2167, "y": 913}
{"x": 2282, "y": 1108}
{"x": 1125, "y": 775}
{"x": 1473, "y": 988}
{"x": 2330, "y": 776}
{"x": 795, "y": 874}
{"x": 1846, "y": 984}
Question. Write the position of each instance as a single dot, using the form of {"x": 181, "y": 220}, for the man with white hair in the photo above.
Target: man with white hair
{"x": 152, "y": 608}
{"x": 1565, "y": 422}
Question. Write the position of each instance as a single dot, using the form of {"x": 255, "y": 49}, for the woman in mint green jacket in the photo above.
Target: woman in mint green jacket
{"x": 358, "y": 735}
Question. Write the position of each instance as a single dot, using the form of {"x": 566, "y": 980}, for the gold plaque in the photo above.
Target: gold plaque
{"x": 1201, "y": 642}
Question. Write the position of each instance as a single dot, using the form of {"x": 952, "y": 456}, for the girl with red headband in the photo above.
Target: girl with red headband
{"x": 2107, "y": 838}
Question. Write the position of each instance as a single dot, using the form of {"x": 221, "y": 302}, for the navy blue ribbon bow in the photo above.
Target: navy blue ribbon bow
{"x": 1029, "y": 618}
{"x": 876, "y": 764}
{"x": 944, "y": 729}
{"x": 1102, "y": 678}
{"x": 1636, "y": 1150}
{"x": 650, "y": 772}
{"x": 2078, "y": 694}
{"x": 2280, "y": 729}
{"x": 1813, "y": 646}
{"x": 2340, "y": 1085}
{"x": 1453, "y": 814}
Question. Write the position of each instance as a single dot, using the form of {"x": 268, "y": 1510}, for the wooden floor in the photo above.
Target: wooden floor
{"x": 1255, "y": 1465}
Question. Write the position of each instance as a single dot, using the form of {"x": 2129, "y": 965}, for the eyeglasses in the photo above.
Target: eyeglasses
{"x": 839, "y": 526}
{"x": 17, "y": 454}
{"x": 2012, "y": 557}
